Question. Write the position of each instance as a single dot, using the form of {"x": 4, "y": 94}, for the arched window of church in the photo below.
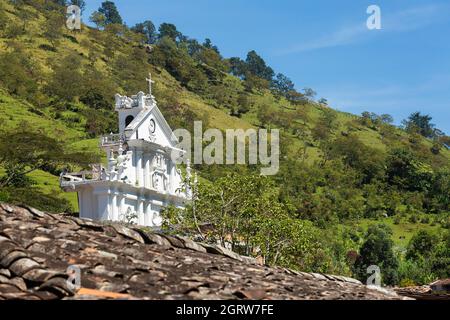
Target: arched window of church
{"x": 128, "y": 120}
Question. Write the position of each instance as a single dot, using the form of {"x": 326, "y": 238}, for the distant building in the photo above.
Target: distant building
{"x": 140, "y": 178}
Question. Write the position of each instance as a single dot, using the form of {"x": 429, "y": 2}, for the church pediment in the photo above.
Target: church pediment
{"x": 150, "y": 125}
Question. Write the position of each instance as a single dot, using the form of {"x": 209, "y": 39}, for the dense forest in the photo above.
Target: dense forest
{"x": 352, "y": 191}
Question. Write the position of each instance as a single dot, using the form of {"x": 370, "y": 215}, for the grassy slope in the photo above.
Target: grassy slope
{"x": 14, "y": 111}
{"x": 403, "y": 231}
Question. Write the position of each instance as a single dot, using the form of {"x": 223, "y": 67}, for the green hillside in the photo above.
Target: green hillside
{"x": 339, "y": 172}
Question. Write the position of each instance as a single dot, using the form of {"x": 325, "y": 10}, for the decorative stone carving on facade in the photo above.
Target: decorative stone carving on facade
{"x": 151, "y": 130}
{"x": 159, "y": 162}
{"x": 160, "y": 181}
{"x": 123, "y": 102}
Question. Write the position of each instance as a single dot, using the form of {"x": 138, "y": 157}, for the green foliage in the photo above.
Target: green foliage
{"x": 15, "y": 176}
{"x": 413, "y": 273}
{"x": 377, "y": 249}
{"x": 336, "y": 168}
{"x": 169, "y": 30}
{"x": 67, "y": 79}
{"x": 421, "y": 245}
{"x": 80, "y": 3}
{"x": 18, "y": 73}
{"x": 35, "y": 198}
{"x": 99, "y": 122}
{"x": 53, "y": 28}
{"x": 407, "y": 172}
{"x": 109, "y": 10}
{"x": 256, "y": 66}
{"x": 357, "y": 155}
{"x": 99, "y": 19}
{"x": 427, "y": 258}
{"x": 438, "y": 193}
{"x": 282, "y": 85}
{"x": 242, "y": 211}
{"x": 23, "y": 151}
{"x": 325, "y": 126}
{"x": 417, "y": 122}
{"x": 147, "y": 28}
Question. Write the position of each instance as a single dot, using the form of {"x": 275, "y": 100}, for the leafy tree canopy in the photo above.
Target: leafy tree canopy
{"x": 418, "y": 122}
{"x": 377, "y": 249}
{"x": 147, "y": 28}
{"x": 109, "y": 10}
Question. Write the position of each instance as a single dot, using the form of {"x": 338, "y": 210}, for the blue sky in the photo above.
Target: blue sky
{"x": 325, "y": 45}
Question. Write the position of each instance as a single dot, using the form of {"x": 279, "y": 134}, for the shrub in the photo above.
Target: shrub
{"x": 377, "y": 249}
{"x": 47, "y": 47}
{"x": 425, "y": 220}
{"x": 413, "y": 218}
{"x": 421, "y": 245}
{"x": 4, "y": 196}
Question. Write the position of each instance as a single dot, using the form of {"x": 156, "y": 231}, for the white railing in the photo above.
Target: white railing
{"x": 71, "y": 179}
{"x": 112, "y": 140}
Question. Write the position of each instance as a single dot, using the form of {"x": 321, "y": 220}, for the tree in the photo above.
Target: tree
{"x": 407, "y": 172}
{"x": 169, "y": 30}
{"x": 80, "y": 3}
{"x": 377, "y": 249}
{"x": 98, "y": 19}
{"x": 265, "y": 115}
{"x": 66, "y": 82}
{"x": 357, "y": 155}
{"x": 147, "y": 28}
{"x": 238, "y": 67}
{"x": 193, "y": 47}
{"x": 309, "y": 93}
{"x": 282, "y": 85}
{"x": 324, "y": 127}
{"x": 296, "y": 97}
{"x": 24, "y": 150}
{"x": 60, "y": 2}
{"x": 208, "y": 45}
{"x": 387, "y": 118}
{"x": 440, "y": 258}
{"x": 257, "y": 66}
{"x": 211, "y": 58}
{"x": 96, "y": 90}
{"x": 253, "y": 82}
{"x": 243, "y": 211}
{"x": 244, "y": 103}
{"x": 109, "y": 10}
{"x": 53, "y": 28}
{"x": 18, "y": 73}
{"x": 4, "y": 20}
{"x": 417, "y": 122}
{"x": 323, "y": 101}
{"x": 438, "y": 195}
{"x": 421, "y": 245}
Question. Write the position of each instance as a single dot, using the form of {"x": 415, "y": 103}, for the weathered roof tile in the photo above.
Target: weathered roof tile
{"x": 122, "y": 262}
{"x": 127, "y": 232}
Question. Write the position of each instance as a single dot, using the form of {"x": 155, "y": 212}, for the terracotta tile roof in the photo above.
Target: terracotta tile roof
{"x": 438, "y": 290}
{"x": 119, "y": 262}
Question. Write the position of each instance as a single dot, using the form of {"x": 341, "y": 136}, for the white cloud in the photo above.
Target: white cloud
{"x": 402, "y": 21}
{"x": 343, "y": 36}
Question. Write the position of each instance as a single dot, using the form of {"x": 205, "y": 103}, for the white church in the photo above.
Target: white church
{"x": 141, "y": 177}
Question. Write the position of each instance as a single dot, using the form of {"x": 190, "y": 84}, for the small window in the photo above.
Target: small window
{"x": 128, "y": 120}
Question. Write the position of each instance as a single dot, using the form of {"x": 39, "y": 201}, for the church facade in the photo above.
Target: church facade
{"x": 141, "y": 177}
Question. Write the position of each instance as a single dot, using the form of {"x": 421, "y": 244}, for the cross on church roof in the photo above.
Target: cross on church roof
{"x": 150, "y": 81}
